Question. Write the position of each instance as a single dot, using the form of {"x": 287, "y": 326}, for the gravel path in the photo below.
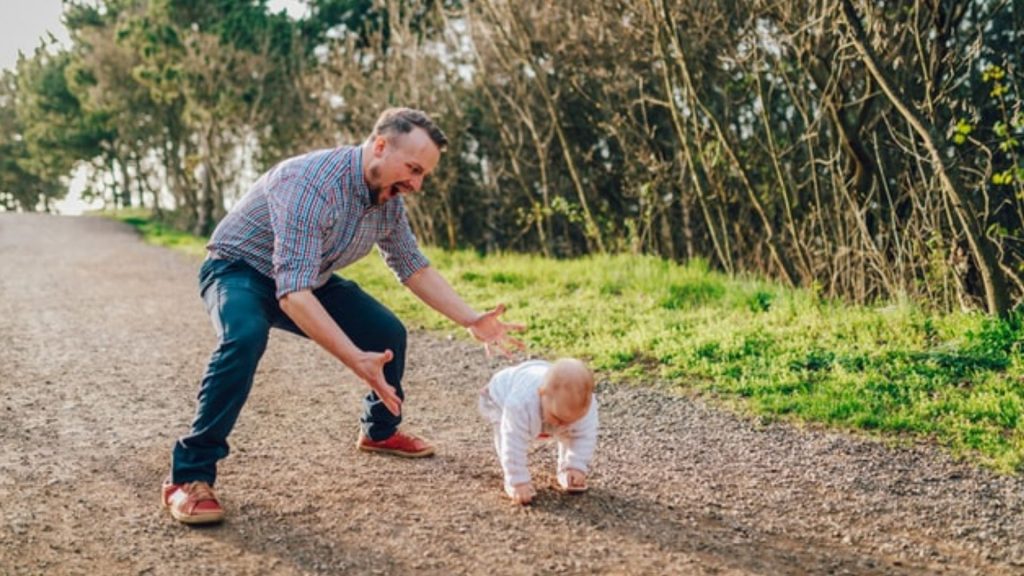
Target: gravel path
{"x": 102, "y": 342}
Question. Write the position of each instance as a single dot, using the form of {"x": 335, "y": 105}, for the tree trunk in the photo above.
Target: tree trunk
{"x": 126, "y": 185}
{"x": 783, "y": 264}
{"x": 997, "y": 297}
{"x": 208, "y": 195}
{"x": 115, "y": 195}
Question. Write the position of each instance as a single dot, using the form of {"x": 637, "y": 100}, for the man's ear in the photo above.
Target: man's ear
{"x": 379, "y": 144}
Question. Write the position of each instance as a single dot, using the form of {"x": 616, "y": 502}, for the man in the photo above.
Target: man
{"x": 271, "y": 263}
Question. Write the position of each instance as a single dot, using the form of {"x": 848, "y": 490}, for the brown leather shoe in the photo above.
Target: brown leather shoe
{"x": 192, "y": 503}
{"x": 399, "y": 444}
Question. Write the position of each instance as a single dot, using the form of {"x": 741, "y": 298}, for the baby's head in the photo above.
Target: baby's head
{"x": 566, "y": 391}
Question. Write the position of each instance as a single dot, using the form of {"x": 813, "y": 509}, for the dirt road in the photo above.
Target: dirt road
{"x": 102, "y": 342}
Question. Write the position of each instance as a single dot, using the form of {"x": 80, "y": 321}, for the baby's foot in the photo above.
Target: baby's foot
{"x": 572, "y": 481}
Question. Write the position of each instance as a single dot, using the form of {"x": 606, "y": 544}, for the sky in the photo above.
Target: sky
{"x": 23, "y": 22}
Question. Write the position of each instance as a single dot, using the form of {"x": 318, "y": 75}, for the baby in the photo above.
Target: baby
{"x": 538, "y": 399}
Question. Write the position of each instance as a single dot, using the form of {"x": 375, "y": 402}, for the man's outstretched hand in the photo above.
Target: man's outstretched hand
{"x": 369, "y": 366}
{"x": 494, "y": 333}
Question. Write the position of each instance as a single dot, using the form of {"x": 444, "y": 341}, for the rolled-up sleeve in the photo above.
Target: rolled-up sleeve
{"x": 515, "y": 443}
{"x": 576, "y": 446}
{"x": 298, "y": 212}
{"x": 400, "y": 250}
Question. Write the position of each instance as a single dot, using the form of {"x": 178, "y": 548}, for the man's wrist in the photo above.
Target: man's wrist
{"x": 470, "y": 319}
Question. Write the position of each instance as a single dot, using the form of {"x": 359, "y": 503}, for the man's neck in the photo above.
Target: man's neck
{"x": 367, "y": 155}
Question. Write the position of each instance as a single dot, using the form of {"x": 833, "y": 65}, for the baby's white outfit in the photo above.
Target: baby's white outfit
{"x": 511, "y": 403}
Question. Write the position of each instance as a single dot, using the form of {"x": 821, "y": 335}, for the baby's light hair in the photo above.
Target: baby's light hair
{"x": 570, "y": 384}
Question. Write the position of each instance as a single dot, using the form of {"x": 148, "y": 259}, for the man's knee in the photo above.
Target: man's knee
{"x": 384, "y": 331}
{"x": 246, "y": 337}
{"x": 396, "y": 332}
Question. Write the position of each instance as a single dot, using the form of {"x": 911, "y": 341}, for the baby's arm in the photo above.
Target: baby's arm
{"x": 575, "y": 450}
{"x": 515, "y": 442}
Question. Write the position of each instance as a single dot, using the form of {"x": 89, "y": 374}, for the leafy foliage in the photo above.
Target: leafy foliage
{"x": 753, "y": 137}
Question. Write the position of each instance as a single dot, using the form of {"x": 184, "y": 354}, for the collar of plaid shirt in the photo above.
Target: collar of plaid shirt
{"x": 359, "y": 186}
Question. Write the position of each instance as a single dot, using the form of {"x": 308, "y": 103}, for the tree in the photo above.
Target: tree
{"x": 57, "y": 132}
{"x": 20, "y": 189}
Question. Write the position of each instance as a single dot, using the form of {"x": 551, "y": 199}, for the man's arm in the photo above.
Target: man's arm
{"x": 310, "y": 316}
{"x": 429, "y": 286}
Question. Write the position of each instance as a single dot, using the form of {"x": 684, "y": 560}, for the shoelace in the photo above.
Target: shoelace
{"x": 200, "y": 491}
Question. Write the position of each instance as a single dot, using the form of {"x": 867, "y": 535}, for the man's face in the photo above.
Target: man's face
{"x": 399, "y": 164}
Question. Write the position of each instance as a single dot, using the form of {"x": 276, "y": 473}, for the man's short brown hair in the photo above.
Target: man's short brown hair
{"x": 403, "y": 120}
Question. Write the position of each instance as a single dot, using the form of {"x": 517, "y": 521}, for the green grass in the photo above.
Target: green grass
{"x": 894, "y": 370}
{"x": 157, "y": 233}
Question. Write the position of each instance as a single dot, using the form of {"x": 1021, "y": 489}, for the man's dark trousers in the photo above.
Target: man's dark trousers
{"x": 243, "y": 307}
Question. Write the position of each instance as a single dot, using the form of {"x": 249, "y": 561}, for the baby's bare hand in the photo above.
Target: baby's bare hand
{"x": 523, "y": 493}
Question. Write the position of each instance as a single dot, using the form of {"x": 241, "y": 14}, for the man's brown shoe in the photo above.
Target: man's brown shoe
{"x": 399, "y": 444}
{"x": 192, "y": 503}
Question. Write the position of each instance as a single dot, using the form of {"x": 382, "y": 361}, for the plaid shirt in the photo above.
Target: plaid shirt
{"x": 311, "y": 215}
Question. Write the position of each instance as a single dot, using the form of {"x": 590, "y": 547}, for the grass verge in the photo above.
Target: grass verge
{"x": 892, "y": 370}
